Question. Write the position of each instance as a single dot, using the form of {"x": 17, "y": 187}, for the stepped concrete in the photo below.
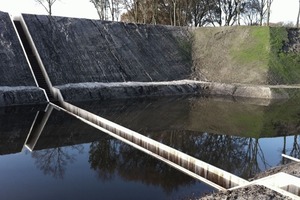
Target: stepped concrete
{"x": 17, "y": 84}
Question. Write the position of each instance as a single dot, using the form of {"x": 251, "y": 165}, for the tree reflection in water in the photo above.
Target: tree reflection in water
{"x": 103, "y": 157}
{"x": 110, "y": 156}
{"x": 234, "y": 154}
{"x": 293, "y": 152}
{"x": 54, "y": 161}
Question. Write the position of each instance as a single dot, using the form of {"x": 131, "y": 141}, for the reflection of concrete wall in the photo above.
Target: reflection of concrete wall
{"x": 143, "y": 115}
{"x": 62, "y": 129}
{"x": 17, "y": 85}
{"x": 15, "y": 123}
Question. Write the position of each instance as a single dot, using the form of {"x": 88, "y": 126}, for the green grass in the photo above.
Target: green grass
{"x": 284, "y": 67}
{"x": 244, "y": 54}
{"x": 254, "y": 49}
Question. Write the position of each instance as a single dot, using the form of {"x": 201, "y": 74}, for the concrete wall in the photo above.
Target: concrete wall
{"x": 17, "y": 85}
{"x": 84, "y": 50}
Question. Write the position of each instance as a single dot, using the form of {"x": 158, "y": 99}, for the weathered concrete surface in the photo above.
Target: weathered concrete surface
{"x": 84, "y": 50}
{"x": 17, "y": 85}
{"x": 21, "y": 95}
{"x": 126, "y": 90}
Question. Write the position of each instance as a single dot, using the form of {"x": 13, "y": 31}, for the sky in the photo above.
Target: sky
{"x": 282, "y": 10}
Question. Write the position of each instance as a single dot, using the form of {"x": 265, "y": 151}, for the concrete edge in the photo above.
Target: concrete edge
{"x": 121, "y": 90}
{"x": 21, "y": 95}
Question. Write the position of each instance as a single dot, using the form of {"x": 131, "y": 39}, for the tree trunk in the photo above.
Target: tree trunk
{"x": 50, "y": 9}
{"x": 112, "y": 10}
{"x": 269, "y": 3}
{"x": 154, "y": 11}
{"x": 174, "y": 12}
{"x": 136, "y": 11}
{"x": 298, "y": 16}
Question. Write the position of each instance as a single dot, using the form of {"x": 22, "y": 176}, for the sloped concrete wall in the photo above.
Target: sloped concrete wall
{"x": 14, "y": 69}
{"x": 17, "y": 85}
{"x": 84, "y": 50}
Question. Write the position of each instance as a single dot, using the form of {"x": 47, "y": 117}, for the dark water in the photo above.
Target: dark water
{"x": 71, "y": 160}
{"x": 241, "y": 136}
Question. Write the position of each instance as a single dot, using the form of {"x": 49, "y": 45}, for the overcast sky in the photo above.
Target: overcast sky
{"x": 282, "y": 10}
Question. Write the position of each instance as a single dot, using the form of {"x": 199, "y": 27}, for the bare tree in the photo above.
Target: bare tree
{"x": 115, "y": 9}
{"x": 258, "y": 10}
{"x": 174, "y": 3}
{"x": 262, "y": 10}
{"x": 297, "y": 24}
{"x": 132, "y": 8}
{"x": 102, "y": 7}
{"x": 252, "y": 13}
{"x": 47, "y": 4}
{"x": 229, "y": 10}
{"x": 269, "y": 3}
{"x": 154, "y": 11}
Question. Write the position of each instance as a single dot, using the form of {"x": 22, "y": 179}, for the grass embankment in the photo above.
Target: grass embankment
{"x": 251, "y": 55}
{"x": 284, "y": 65}
{"x": 254, "y": 50}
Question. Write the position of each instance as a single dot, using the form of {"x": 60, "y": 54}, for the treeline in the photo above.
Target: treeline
{"x": 187, "y": 12}
{"x": 183, "y": 12}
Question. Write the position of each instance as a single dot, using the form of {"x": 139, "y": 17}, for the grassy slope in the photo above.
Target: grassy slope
{"x": 284, "y": 67}
{"x": 251, "y": 55}
{"x": 254, "y": 50}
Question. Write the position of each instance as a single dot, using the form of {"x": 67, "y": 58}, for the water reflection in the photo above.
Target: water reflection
{"x": 241, "y": 137}
{"x": 54, "y": 161}
{"x": 15, "y": 124}
{"x": 73, "y": 154}
{"x": 227, "y": 133}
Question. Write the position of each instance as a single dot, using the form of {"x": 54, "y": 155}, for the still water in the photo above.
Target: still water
{"x": 71, "y": 160}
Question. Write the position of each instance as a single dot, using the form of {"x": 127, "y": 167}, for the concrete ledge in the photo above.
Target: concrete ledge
{"x": 122, "y": 90}
{"x": 101, "y": 91}
{"x": 22, "y": 95}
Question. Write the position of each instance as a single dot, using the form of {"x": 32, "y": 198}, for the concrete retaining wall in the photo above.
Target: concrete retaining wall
{"x": 84, "y": 50}
{"x": 17, "y": 83}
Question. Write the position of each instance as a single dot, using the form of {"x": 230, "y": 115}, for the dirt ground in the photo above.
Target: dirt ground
{"x": 257, "y": 192}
